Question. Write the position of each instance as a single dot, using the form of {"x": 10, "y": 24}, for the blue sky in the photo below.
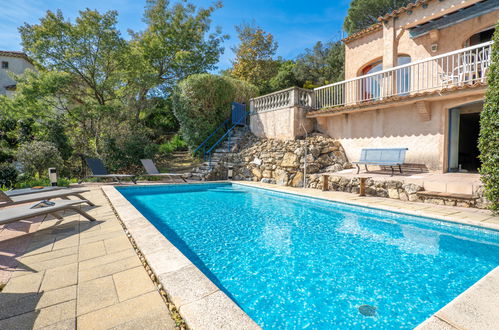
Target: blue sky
{"x": 295, "y": 24}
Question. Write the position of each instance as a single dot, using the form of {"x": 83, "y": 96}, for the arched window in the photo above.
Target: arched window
{"x": 371, "y": 86}
{"x": 480, "y": 37}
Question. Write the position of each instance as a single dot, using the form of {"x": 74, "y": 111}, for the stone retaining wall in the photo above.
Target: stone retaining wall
{"x": 394, "y": 189}
{"x": 282, "y": 162}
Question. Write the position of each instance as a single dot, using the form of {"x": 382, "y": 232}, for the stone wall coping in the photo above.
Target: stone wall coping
{"x": 199, "y": 301}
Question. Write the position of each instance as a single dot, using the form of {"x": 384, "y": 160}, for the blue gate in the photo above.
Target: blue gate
{"x": 238, "y": 113}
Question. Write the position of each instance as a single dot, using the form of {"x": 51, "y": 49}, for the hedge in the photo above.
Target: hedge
{"x": 488, "y": 142}
{"x": 203, "y": 101}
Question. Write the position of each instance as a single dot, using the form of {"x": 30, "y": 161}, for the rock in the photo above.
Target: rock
{"x": 411, "y": 188}
{"x": 256, "y": 173}
{"x": 380, "y": 192}
{"x": 290, "y": 160}
{"x": 267, "y": 174}
{"x": 281, "y": 177}
{"x": 297, "y": 180}
{"x": 393, "y": 193}
{"x": 257, "y": 161}
{"x": 329, "y": 149}
{"x": 413, "y": 198}
{"x": 334, "y": 168}
{"x": 265, "y": 180}
{"x": 392, "y": 184}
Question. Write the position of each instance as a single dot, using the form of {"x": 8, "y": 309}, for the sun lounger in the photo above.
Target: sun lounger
{"x": 153, "y": 171}
{"x": 21, "y": 212}
{"x": 99, "y": 171}
{"x": 382, "y": 156}
{"x": 26, "y": 191}
{"x": 44, "y": 195}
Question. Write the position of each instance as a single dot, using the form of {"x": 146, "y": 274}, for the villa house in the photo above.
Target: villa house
{"x": 416, "y": 80}
{"x": 16, "y": 62}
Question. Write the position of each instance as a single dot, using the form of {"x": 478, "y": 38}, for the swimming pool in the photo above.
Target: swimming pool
{"x": 291, "y": 261}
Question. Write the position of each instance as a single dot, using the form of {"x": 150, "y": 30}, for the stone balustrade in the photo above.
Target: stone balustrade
{"x": 285, "y": 98}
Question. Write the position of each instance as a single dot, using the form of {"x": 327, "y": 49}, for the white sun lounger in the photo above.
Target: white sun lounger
{"x": 46, "y": 195}
{"x": 152, "y": 170}
{"x": 22, "y": 212}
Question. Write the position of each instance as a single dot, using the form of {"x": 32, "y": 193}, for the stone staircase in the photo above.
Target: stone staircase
{"x": 223, "y": 151}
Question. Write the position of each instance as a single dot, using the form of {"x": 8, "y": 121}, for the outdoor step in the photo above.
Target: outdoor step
{"x": 445, "y": 195}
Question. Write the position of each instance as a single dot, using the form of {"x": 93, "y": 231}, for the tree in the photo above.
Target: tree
{"x": 92, "y": 79}
{"x": 82, "y": 64}
{"x": 254, "y": 61}
{"x": 175, "y": 45}
{"x": 324, "y": 64}
{"x": 37, "y": 156}
{"x": 285, "y": 77}
{"x": 364, "y": 13}
{"x": 488, "y": 142}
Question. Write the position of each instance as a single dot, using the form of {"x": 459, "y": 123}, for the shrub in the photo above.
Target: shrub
{"x": 123, "y": 147}
{"x": 31, "y": 182}
{"x": 37, "y": 156}
{"x": 488, "y": 142}
{"x": 175, "y": 143}
{"x": 244, "y": 91}
{"x": 8, "y": 175}
{"x": 203, "y": 101}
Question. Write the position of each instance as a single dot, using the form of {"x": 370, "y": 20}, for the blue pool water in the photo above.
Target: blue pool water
{"x": 297, "y": 262}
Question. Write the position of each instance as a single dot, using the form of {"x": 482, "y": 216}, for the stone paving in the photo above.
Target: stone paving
{"x": 76, "y": 274}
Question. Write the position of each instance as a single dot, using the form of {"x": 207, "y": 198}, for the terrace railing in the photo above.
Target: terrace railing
{"x": 465, "y": 66}
{"x": 289, "y": 97}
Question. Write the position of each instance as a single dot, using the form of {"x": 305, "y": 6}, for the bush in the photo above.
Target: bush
{"x": 203, "y": 101}
{"x": 8, "y": 175}
{"x": 176, "y": 143}
{"x": 124, "y": 146}
{"x": 488, "y": 142}
{"x": 31, "y": 182}
{"x": 37, "y": 156}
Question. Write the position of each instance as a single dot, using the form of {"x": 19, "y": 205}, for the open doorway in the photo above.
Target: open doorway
{"x": 464, "y": 129}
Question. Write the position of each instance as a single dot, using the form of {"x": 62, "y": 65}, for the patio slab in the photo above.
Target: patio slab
{"x": 74, "y": 274}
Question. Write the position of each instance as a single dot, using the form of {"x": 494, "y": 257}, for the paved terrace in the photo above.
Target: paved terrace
{"x": 76, "y": 274}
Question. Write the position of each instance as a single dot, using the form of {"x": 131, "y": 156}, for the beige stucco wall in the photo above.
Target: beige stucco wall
{"x": 397, "y": 127}
{"x": 283, "y": 124}
{"x": 369, "y": 48}
{"x": 17, "y": 65}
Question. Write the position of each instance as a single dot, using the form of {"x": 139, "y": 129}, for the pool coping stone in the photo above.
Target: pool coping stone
{"x": 195, "y": 298}
{"x": 199, "y": 301}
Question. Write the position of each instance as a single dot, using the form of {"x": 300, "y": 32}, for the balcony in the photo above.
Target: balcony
{"x": 466, "y": 66}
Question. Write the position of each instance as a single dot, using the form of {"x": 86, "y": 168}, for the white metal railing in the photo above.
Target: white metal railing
{"x": 289, "y": 97}
{"x": 464, "y": 66}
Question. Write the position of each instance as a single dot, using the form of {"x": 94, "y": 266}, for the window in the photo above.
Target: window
{"x": 371, "y": 86}
{"x": 480, "y": 37}
{"x": 5, "y": 65}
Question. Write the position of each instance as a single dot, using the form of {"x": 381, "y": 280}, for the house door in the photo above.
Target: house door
{"x": 464, "y": 129}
